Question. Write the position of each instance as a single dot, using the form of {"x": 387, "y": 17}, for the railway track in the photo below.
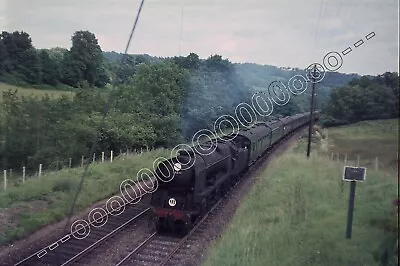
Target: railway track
{"x": 69, "y": 249}
{"x": 156, "y": 249}
{"x": 164, "y": 250}
{"x": 159, "y": 249}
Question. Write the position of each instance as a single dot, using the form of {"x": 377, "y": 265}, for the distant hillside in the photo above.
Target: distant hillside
{"x": 262, "y": 75}
{"x": 258, "y": 77}
{"x": 114, "y": 57}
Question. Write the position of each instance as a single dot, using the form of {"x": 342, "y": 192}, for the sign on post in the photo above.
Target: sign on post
{"x": 352, "y": 174}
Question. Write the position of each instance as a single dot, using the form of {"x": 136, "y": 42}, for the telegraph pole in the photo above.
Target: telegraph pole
{"x": 311, "y": 112}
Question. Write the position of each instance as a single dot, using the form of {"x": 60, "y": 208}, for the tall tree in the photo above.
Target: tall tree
{"x": 86, "y": 52}
{"x": 29, "y": 66}
{"x": 72, "y": 70}
{"x": 363, "y": 99}
{"x": 50, "y": 68}
{"x": 21, "y": 55}
{"x": 3, "y": 57}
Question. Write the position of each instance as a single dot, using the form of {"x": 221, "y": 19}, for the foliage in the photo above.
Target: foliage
{"x": 214, "y": 90}
{"x": 259, "y": 77}
{"x": 21, "y": 62}
{"x": 49, "y": 130}
{"x": 156, "y": 102}
{"x": 50, "y": 68}
{"x": 363, "y": 99}
{"x": 38, "y": 90}
{"x": 86, "y": 52}
{"x": 157, "y": 94}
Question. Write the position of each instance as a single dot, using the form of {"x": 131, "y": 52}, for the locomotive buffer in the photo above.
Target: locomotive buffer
{"x": 352, "y": 175}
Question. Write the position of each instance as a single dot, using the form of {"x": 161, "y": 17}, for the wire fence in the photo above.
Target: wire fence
{"x": 353, "y": 159}
{"x": 344, "y": 159}
{"x": 21, "y": 175}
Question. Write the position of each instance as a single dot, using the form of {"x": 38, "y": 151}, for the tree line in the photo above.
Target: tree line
{"x": 157, "y": 102}
{"x": 366, "y": 98}
{"x": 49, "y": 130}
{"x": 150, "y": 107}
{"x": 82, "y": 63}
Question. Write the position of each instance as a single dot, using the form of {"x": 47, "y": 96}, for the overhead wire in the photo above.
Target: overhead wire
{"x": 317, "y": 28}
{"x": 180, "y": 34}
{"x": 340, "y": 7}
{"x": 105, "y": 113}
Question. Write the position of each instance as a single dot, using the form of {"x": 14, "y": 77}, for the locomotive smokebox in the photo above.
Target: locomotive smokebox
{"x": 176, "y": 173}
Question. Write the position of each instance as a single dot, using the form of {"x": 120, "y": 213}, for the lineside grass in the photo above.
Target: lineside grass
{"x": 367, "y": 139}
{"x": 33, "y": 91}
{"x": 39, "y": 202}
{"x": 297, "y": 214}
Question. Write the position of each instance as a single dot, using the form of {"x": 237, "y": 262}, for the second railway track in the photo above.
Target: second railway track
{"x": 156, "y": 249}
{"x": 69, "y": 249}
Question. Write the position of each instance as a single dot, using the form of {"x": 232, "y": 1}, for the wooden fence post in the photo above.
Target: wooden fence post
{"x": 40, "y": 170}
{"x": 94, "y": 157}
{"x": 82, "y": 160}
{"x": 5, "y": 179}
{"x": 23, "y": 174}
{"x": 111, "y": 156}
{"x": 102, "y": 156}
{"x": 358, "y": 160}
{"x": 10, "y": 173}
{"x": 141, "y": 150}
{"x": 70, "y": 162}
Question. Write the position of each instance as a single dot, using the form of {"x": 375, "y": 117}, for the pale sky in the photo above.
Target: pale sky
{"x": 274, "y": 32}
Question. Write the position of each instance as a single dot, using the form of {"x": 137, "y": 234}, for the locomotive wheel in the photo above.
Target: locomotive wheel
{"x": 183, "y": 229}
{"x": 152, "y": 223}
{"x": 160, "y": 226}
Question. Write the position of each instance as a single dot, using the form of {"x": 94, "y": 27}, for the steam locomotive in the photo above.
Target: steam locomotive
{"x": 179, "y": 204}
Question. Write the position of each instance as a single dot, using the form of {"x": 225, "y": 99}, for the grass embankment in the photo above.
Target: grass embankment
{"x": 297, "y": 215}
{"x": 39, "y": 202}
{"x": 22, "y": 91}
{"x": 367, "y": 139}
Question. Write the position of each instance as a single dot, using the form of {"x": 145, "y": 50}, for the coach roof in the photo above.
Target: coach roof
{"x": 256, "y": 132}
